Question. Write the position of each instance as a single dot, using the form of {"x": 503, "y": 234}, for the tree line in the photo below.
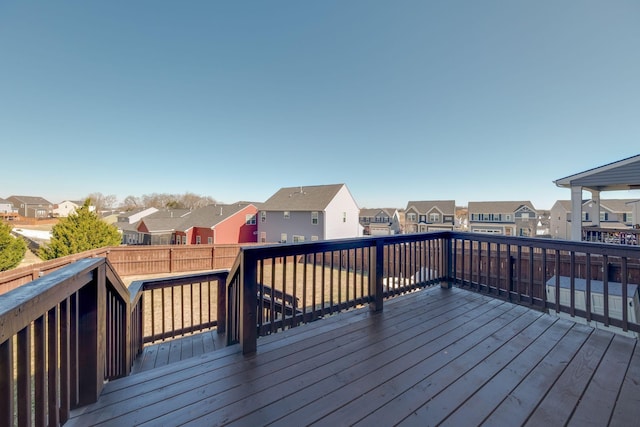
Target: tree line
{"x": 154, "y": 200}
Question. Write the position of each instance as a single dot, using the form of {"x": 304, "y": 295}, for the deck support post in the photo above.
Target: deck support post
{"x": 447, "y": 257}
{"x": 248, "y": 303}
{"x": 375, "y": 276}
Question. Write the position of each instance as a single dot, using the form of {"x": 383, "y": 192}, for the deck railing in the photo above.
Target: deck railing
{"x": 592, "y": 282}
{"x": 64, "y": 334}
{"x": 324, "y": 278}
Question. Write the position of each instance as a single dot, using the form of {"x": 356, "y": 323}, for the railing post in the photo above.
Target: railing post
{"x": 375, "y": 276}
{"x": 248, "y": 304}
{"x": 447, "y": 248}
{"x": 91, "y": 338}
{"x": 222, "y": 306}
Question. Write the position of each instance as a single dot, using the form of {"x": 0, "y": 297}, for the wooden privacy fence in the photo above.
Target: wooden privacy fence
{"x": 133, "y": 260}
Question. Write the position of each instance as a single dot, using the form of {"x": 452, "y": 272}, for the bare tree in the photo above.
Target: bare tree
{"x": 131, "y": 203}
{"x": 102, "y": 202}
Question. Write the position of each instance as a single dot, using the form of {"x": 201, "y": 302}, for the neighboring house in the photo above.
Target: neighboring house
{"x": 213, "y": 224}
{"x": 66, "y": 208}
{"x": 543, "y": 225}
{"x": 7, "y": 211}
{"x": 429, "y": 215}
{"x": 509, "y": 218}
{"x": 160, "y": 227}
{"x": 298, "y": 214}
{"x": 220, "y": 224}
{"x": 613, "y": 213}
{"x": 380, "y": 221}
{"x": 127, "y": 223}
{"x": 32, "y": 207}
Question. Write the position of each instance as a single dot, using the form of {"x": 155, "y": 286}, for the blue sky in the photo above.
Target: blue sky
{"x": 401, "y": 100}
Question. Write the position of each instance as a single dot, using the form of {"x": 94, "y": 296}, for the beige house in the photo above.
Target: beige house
{"x": 509, "y": 218}
{"x": 429, "y": 215}
{"x": 608, "y": 213}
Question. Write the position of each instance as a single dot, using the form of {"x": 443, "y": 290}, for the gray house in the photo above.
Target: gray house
{"x": 517, "y": 218}
{"x": 429, "y": 215}
{"x": 32, "y": 207}
{"x": 319, "y": 212}
{"x": 380, "y": 221}
{"x": 127, "y": 223}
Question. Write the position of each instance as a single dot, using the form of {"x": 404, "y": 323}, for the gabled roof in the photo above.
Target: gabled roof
{"x": 211, "y": 215}
{"x": 447, "y": 207}
{"x": 311, "y": 198}
{"x": 32, "y": 200}
{"x": 372, "y": 212}
{"x": 621, "y": 175}
{"x": 498, "y": 207}
{"x": 158, "y": 225}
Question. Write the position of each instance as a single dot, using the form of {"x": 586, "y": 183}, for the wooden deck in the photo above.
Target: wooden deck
{"x": 433, "y": 357}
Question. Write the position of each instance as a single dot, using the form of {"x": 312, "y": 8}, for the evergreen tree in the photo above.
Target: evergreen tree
{"x": 79, "y": 232}
{"x": 12, "y": 250}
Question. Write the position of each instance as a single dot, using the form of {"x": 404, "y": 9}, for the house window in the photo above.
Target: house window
{"x": 585, "y": 216}
{"x": 250, "y": 219}
{"x": 198, "y": 240}
{"x": 184, "y": 240}
{"x": 604, "y": 216}
{"x": 344, "y": 217}
{"x": 283, "y": 238}
{"x": 263, "y": 216}
{"x": 314, "y": 218}
{"x": 298, "y": 239}
{"x": 508, "y": 217}
{"x": 423, "y": 218}
{"x": 411, "y": 217}
{"x": 434, "y": 217}
{"x": 287, "y": 215}
{"x": 525, "y": 215}
{"x": 210, "y": 240}
{"x": 263, "y": 237}
{"x": 628, "y": 217}
{"x": 314, "y": 238}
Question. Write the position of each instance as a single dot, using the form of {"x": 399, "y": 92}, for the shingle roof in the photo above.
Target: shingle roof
{"x": 498, "y": 207}
{"x": 32, "y": 200}
{"x": 447, "y": 207}
{"x": 311, "y": 198}
{"x": 211, "y": 215}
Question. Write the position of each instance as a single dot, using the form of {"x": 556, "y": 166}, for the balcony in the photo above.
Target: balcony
{"x": 438, "y": 328}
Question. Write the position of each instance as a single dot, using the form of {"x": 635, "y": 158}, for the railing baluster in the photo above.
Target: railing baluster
{"x": 23, "y": 359}
{"x": 53, "y": 383}
{"x": 6, "y": 382}
{"x": 40, "y": 370}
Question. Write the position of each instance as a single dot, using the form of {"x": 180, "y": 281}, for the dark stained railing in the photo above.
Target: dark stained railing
{"x": 324, "y": 278}
{"x": 54, "y": 354}
{"x": 63, "y": 335}
{"x": 590, "y": 281}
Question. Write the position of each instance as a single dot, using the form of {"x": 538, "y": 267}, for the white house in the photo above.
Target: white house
{"x": 319, "y": 212}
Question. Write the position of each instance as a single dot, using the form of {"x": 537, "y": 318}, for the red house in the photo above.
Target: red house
{"x": 219, "y": 224}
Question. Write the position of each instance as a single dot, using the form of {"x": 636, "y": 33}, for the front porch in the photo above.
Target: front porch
{"x": 431, "y": 357}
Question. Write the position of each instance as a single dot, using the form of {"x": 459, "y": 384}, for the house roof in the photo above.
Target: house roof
{"x": 311, "y": 198}
{"x": 371, "y": 212}
{"x": 621, "y": 175}
{"x": 448, "y": 207}
{"x": 32, "y": 200}
{"x": 211, "y": 215}
{"x": 498, "y": 207}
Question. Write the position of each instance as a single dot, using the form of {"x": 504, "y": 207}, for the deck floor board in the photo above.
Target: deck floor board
{"x": 430, "y": 357}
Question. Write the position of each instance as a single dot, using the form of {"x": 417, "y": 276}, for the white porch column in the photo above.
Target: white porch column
{"x": 576, "y": 213}
{"x": 595, "y": 196}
